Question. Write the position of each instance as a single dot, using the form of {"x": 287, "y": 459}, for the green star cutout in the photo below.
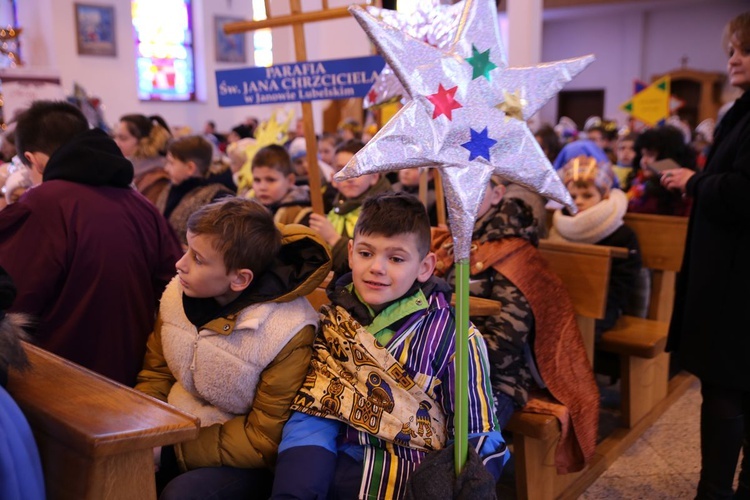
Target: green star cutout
{"x": 481, "y": 63}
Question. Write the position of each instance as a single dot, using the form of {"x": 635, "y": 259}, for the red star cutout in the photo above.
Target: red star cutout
{"x": 372, "y": 95}
{"x": 444, "y": 102}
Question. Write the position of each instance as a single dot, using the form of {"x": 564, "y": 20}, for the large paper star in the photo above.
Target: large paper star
{"x": 415, "y": 138}
{"x": 430, "y": 22}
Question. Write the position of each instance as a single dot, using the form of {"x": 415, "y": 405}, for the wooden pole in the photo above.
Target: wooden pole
{"x": 423, "y": 173}
{"x": 440, "y": 199}
{"x": 296, "y": 17}
{"x": 313, "y": 171}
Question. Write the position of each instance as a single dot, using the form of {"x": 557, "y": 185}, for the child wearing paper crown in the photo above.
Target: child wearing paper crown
{"x": 337, "y": 228}
{"x": 379, "y": 397}
{"x": 534, "y": 341}
{"x": 599, "y": 221}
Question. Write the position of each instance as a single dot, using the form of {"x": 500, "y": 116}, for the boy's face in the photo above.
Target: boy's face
{"x": 384, "y": 268}
{"x": 492, "y": 196}
{"x": 270, "y": 185}
{"x": 356, "y": 186}
{"x": 409, "y": 176}
{"x": 584, "y": 197}
{"x": 327, "y": 151}
{"x": 625, "y": 153}
{"x": 203, "y": 274}
{"x": 178, "y": 170}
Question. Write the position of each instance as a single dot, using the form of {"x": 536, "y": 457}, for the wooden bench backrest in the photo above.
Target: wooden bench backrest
{"x": 584, "y": 270}
{"x": 662, "y": 239}
{"x": 85, "y": 424}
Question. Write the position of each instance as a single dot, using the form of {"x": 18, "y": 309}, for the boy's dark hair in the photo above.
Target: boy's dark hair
{"x": 244, "y": 232}
{"x": 351, "y": 146}
{"x": 47, "y": 125}
{"x": 275, "y": 157}
{"x": 193, "y": 148}
{"x": 389, "y": 214}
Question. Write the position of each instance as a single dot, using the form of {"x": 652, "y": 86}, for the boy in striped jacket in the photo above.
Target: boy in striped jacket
{"x": 379, "y": 394}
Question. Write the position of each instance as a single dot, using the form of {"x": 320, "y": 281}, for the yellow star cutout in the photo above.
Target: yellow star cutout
{"x": 513, "y": 105}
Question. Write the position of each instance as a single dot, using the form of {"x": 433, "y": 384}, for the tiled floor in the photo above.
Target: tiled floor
{"x": 663, "y": 464}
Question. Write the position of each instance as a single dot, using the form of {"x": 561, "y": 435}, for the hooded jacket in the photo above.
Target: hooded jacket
{"x": 238, "y": 368}
{"x": 90, "y": 257}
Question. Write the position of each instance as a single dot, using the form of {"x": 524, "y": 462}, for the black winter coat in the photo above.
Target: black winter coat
{"x": 709, "y": 329}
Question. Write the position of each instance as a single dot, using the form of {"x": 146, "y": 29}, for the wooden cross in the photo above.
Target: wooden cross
{"x": 297, "y": 19}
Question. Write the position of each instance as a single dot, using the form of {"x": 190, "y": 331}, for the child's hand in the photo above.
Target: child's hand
{"x": 324, "y": 228}
{"x": 676, "y": 178}
{"x": 157, "y": 458}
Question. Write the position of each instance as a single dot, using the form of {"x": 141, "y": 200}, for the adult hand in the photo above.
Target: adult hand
{"x": 676, "y": 178}
{"x": 324, "y": 228}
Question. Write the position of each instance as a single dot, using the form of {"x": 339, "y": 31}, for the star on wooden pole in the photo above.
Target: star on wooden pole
{"x": 458, "y": 95}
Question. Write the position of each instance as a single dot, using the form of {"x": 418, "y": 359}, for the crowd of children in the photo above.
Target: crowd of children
{"x": 347, "y": 402}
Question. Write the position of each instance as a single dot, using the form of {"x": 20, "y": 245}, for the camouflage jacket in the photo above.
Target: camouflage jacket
{"x": 508, "y": 334}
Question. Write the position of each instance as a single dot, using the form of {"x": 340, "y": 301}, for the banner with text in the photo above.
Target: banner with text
{"x": 305, "y": 81}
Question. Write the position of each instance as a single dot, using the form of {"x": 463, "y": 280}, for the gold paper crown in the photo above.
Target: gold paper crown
{"x": 586, "y": 169}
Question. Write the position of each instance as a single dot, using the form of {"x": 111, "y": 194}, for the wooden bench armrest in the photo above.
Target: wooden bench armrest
{"x": 631, "y": 336}
{"x": 480, "y": 307}
{"x": 534, "y": 425}
{"x": 584, "y": 248}
{"x": 92, "y": 414}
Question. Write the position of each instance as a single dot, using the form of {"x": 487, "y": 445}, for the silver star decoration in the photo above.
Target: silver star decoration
{"x": 431, "y": 22}
{"x": 456, "y": 121}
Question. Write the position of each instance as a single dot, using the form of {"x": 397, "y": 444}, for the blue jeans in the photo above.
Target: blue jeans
{"x": 504, "y": 408}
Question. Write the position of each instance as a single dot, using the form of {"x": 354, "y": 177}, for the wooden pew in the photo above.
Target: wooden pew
{"x": 662, "y": 239}
{"x": 584, "y": 270}
{"x": 640, "y": 342}
{"x": 95, "y": 436}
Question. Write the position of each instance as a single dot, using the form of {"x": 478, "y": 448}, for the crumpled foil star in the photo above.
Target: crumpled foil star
{"x": 456, "y": 120}
{"x": 430, "y": 22}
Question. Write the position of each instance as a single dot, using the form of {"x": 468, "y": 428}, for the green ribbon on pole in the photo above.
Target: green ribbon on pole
{"x": 461, "y": 417}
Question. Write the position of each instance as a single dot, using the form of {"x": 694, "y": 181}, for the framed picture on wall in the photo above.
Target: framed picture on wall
{"x": 229, "y": 48}
{"x": 95, "y": 29}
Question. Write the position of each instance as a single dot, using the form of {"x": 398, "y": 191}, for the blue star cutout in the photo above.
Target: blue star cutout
{"x": 479, "y": 145}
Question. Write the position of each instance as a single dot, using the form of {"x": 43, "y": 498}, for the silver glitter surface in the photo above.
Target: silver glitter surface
{"x": 483, "y": 133}
{"x": 431, "y": 22}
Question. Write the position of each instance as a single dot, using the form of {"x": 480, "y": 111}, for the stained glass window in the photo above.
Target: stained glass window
{"x": 262, "y": 41}
{"x": 164, "y": 50}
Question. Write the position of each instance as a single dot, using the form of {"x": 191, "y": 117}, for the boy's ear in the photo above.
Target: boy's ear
{"x": 192, "y": 167}
{"x": 240, "y": 279}
{"x": 497, "y": 194}
{"x": 37, "y": 160}
{"x": 291, "y": 178}
{"x": 426, "y": 267}
{"x": 350, "y": 251}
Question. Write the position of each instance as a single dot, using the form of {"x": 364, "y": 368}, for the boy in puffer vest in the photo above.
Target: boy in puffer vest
{"x": 231, "y": 345}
